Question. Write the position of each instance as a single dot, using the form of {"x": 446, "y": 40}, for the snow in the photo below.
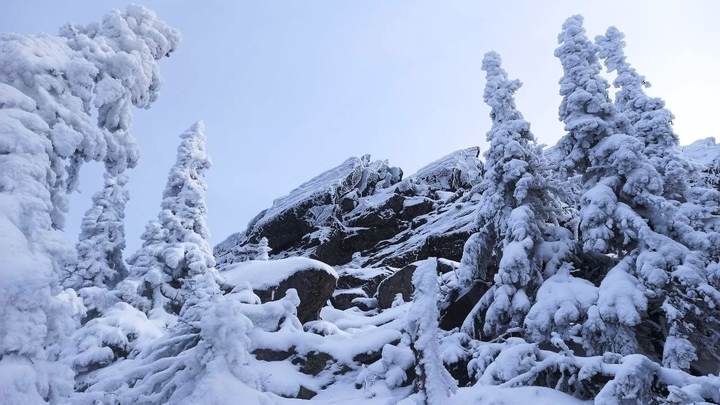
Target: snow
{"x": 434, "y": 381}
{"x": 176, "y": 245}
{"x": 592, "y": 267}
{"x": 263, "y": 274}
{"x": 704, "y": 151}
{"x": 459, "y": 169}
{"x": 481, "y": 394}
{"x": 561, "y": 302}
{"x": 352, "y": 174}
{"x": 364, "y": 273}
{"x": 50, "y": 105}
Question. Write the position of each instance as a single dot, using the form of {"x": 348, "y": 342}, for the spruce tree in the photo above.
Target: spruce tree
{"x": 263, "y": 249}
{"x": 693, "y": 207}
{"x": 433, "y": 381}
{"x": 516, "y": 212}
{"x": 616, "y": 177}
{"x": 624, "y": 214}
{"x": 50, "y": 96}
{"x": 648, "y": 117}
{"x": 102, "y": 239}
{"x": 176, "y": 245}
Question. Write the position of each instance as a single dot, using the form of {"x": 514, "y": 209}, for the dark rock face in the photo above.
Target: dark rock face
{"x": 398, "y": 283}
{"x": 273, "y": 355}
{"x": 343, "y": 299}
{"x": 315, "y": 362}
{"x": 313, "y": 287}
{"x": 367, "y": 279}
{"x": 449, "y": 245}
{"x": 363, "y": 208}
{"x": 305, "y": 393}
{"x": 454, "y": 315}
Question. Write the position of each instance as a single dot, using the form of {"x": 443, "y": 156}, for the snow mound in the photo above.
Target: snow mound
{"x": 264, "y": 274}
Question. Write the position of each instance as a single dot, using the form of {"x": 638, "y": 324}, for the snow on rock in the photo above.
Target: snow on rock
{"x": 460, "y": 169}
{"x": 263, "y": 274}
{"x": 705, "y": 151}
{"x": 355, "y": 174}
{"x": 705, "y": 154}
{"x": 314, "y": 281}
{"x": 312, "y": 204}
{"x": 360, "y": 214}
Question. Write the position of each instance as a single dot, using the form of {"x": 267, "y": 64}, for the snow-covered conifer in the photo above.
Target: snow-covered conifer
{"x": 124, "y": 48}
{"x": 616, "y": 175}
{"x": 623, "y": 211}
{"x": 515, "y": 213}
{"x": 48, "y": 101}
{"x": 102, "y": 239}
{"x": 649, "y": 118}
{"x": 433, "y": 380}
{"x": 263, "y": 249}
{"x": 176, "y": 245}
{"x": 651, "y": 122}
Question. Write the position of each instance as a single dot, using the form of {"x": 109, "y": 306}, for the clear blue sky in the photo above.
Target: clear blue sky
{"x": 288, "y": 89}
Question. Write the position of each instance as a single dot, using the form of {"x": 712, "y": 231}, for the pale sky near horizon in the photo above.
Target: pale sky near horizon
{"x": 290, "y": 89}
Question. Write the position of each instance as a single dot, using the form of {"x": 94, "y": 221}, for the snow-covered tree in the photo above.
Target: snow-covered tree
{"x": 614, "y": 169}
{"x": 263, "y": 249}
{"x": 124, "y": 48}
{"x": 176, "y": 245}
{"x": 204, "y": 357}
{"x": 651, "y": 122}
{"x": 649, "y": 119}
{"x": 516, "y": 235}
{"x": 102, "y": 239}
{"x": 433, "y": 381}
{"x": 49, "y": 96}
{"x": 624, "y": 213}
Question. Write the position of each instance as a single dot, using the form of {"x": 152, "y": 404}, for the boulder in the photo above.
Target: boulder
{"x": 454, "y": 315}
{"x": 272, "y": 354}
{"x": 343, "y": 299}
{"x": 448, "y": 245}
{"x": 305, "y": 393}
{"x": 400, "y": 282}
{"x": 314, "y": 281}
{"x": 367, "y": 278}
{"x": 316, "y": 204}
{"x": 364, "y": 210}
{"x": 314, "y": 362}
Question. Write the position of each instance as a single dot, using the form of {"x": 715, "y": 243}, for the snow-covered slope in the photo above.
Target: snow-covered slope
{"x": 705, "y": 154}
{"x": 705, "y": 151}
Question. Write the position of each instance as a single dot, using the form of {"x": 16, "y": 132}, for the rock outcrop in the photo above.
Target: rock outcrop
{"x": 314, "y": 281}
{"x": 363, "y": 214}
